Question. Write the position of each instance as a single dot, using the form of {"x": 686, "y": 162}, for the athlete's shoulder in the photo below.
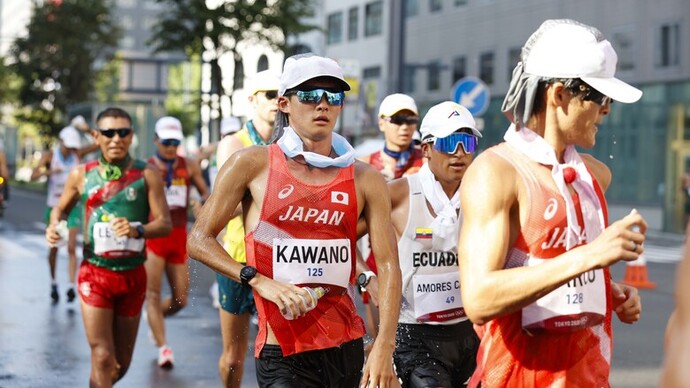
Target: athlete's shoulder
{"x": 599, "y": 169}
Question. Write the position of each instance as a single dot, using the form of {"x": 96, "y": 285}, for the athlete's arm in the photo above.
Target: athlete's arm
{"x": 378, "y": 371}
{"x": 677, "y": 358}
{"x": 87, "y": 149}
{"x": 43, "y": 166}
{"x": 159, "y": 224}
{"x": 490, "y": 201}
{"x": 199, "y": 183}
{"x": 68, "y": 198}
{"x": 232, "y": 185}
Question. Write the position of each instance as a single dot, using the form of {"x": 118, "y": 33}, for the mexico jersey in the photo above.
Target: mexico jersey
{"x": 306, "y": 236}
{"x": 431, "y": 279}
{"x": 56, "y": 182}
{"x": 104, "y": 200}
{"x": 565, "y": 338}
{"x": 177, "y": 194}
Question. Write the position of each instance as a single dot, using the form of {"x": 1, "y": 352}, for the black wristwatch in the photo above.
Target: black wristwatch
{"x": 364, "y": 278}
{"x": 140, "y": 231}
{"x": 247, "y": 274}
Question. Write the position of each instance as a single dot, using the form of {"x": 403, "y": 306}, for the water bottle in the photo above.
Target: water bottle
{"x": 314, "y": 295}
{"x": 63, "y": 231}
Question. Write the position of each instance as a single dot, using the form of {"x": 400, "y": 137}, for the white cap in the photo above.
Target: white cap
{"x": 230, "y": 125}
{"x": 168, "y": 127}
{"x": 70, "y": 137}
{"x": 263, "y": 81}
{"x": 445, "y": 118}
{"x": 568, "y": 49}
{"x": 78, "y": 121}
{"x": 394, "y": 103}
{"x": 301, "y": 68}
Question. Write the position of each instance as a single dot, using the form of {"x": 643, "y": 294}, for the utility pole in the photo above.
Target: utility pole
{"x": 396, "y": 48}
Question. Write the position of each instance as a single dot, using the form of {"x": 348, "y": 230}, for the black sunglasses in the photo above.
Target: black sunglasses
{"x": 400, "y": 120}
{"x": 271, "y": 94}
{"x": 170, "y": 142}
{"x": 588, "y": 93}
{"x": 110, "y": 133}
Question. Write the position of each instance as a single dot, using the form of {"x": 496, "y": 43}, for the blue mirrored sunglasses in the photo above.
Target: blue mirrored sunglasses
{"x": 449, "y": 144}
{"x": 110, "y": 133}
{"x": 170, "y": 142}
{"x": 315, "y": 96}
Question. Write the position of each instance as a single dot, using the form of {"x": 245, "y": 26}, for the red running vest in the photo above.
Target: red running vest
{"x": 510, "y": 357}
{"x": 307, "y": 215}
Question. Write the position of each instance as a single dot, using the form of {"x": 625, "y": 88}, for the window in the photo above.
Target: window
{"x": 459, "y": 68}
{"x": 373, "y": 18}
{"x": 623, "y": 43}
{"x": 371, "y": 72}
{"x": 460, "y": 2}
{"x": 408, "y": 79}
{"x": 352, "y": 23}
{"x": 669, "y": 46}
{"x": 434, "y": 76}
{"x": 513, "y": 59}
{"x": 335, "y": 28}
{"x": 411, "y": 8}
{"x": 262, "y": 63}
{"x": 435, "y": 5}
{"x": 486, "y": 67}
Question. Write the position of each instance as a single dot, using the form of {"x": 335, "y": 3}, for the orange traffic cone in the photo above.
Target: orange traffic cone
{"x": 636, "y": 274}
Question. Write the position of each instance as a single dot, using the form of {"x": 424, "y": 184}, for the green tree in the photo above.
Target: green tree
{"x": 55, "y": 60}
{"x": 190, "y": 26}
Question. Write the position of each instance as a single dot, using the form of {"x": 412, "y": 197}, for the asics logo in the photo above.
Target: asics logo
{"x": 551, "y": 209}
{"x": 286, "y": 191}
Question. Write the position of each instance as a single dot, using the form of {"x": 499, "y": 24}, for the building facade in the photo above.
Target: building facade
{"x": 646, "y": 145}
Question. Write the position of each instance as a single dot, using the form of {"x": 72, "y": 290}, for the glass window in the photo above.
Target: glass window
{"x": 623, "y": 42}
{"x": 371, "y": 72}
{"x": 459, "y": 68}
{"x": 335, "y": 28}
{"x": 669, "y": 46}
{"x": 435, "y": 5}
{"x": 373, "y": 18}
{"x": 434, "y": 75}
{"x": 486, "y": 67}
{"x": 262, "y": 64}
{"x": 352, "y": 23}
{"x": 411, "y": 8}
{"x": 513, "y": 59}
{"x": 408, "y": 79}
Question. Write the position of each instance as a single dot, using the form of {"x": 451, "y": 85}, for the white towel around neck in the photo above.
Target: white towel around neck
{"x": 536, "y": 148}
{"x": 446, "y": 224}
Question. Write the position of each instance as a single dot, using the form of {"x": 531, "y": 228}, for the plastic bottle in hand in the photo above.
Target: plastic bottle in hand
{"x": 314, "y": 295}
{"x": 63, "y": 231}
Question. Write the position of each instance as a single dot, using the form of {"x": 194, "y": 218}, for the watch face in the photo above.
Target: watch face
{"x": 247, "y": 273}
{"x": 362, "y": 279}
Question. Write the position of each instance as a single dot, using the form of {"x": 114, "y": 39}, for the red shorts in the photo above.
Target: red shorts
{"x": 172, "y": 248}
{"x": 121, "y": 291}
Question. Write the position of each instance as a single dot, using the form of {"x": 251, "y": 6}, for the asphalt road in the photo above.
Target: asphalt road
{"x": 44, "y": 346}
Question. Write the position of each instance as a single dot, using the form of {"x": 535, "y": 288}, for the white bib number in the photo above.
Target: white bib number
{"x": 301, "y": 261}
{"x": 575, "y": 305}
{"x": 437, "y": 297}
{"x": 105, "y": 241}
{"x": 176, "y": 196}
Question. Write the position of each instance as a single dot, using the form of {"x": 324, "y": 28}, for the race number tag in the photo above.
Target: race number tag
{"x": 300, "y": 261}
{"x": 176, "y": 196}
{"x": 106, "y": 242}
{"x": 573, "y": 306}
{"x": 437, "y": 297}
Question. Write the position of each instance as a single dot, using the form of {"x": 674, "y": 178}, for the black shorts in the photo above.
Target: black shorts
{"x": 435, "y": 355}
{"x": 333, "y": 367}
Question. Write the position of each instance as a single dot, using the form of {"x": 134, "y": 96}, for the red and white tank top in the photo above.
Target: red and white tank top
{"x": 306, "y": 236}
{"x": 565, "y": 338}
{"x": 177, "y": 194}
